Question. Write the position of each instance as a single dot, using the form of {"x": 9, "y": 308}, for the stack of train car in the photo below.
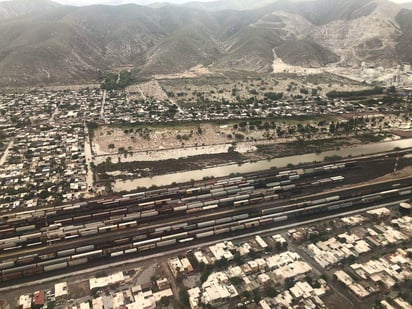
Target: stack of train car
{"x": 44, "y": 240}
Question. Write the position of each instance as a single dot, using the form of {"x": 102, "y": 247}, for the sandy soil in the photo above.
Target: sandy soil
{"x": 190, "y": 91}
{"x": 156, "y": 155}
{"x": 134, "y": 92}
{"x": 168, "y": 138}
{"x": 72, "y": 87}
{"x": 193, "y": 72}
{"x": 405, "y": 172}
{"x": 79, "y": 289}
{"x": 153, "y": 89}
{"x": 280, "y": 67}
{"x": 403, "y": 133}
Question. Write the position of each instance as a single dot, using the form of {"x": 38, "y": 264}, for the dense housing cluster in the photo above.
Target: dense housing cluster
{"x": 252, "y": 271}
{"x": 46, "y": 156}
{"x": 125, "y": 219}
{"x": 119, "y": 108}
{"x": 45, "y": 160}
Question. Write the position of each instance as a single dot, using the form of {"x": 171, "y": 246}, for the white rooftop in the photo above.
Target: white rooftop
{"x": 60, "y": 289}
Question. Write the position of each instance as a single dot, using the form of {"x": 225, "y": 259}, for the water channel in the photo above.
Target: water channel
{"x": 220, "y": 171}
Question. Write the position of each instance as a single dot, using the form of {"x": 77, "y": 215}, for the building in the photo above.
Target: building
{"x": 61, "y": 291}
{"x": 38, "y": 298}
{"x": 292, "y": 270}
{"x": 24, "y": 302}
{"x": 200, "y": 257}
{"x": 194, "y": 298}
{"x": 187, "y": 266}
{"x": 222, "y": 250}
{"x": 85, "y": 305}
{"x": 175, "y": 266}
{"x": 163, "y": 283}
{"x": 96, "y": 283}
{"x": 347, "y": 280}
{"x": 216, "y": 290}
{"x": 261, "y": 242}
{"x": 97, "y": 303}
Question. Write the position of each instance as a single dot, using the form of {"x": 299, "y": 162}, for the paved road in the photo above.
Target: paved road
{"x": 6, "y": 153}
{"x": 155, "y": 256}
{"x": 141, "y": 92}
{"x": 89, "y": 159}
{"x": 103, "y": 103}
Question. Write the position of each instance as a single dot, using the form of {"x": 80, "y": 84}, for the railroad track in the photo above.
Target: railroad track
{"x": 51, "y": 239}
{"x": 28, "y": 265}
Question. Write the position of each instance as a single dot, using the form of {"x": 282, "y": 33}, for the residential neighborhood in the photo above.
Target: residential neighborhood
{"x": 277, "y": 270}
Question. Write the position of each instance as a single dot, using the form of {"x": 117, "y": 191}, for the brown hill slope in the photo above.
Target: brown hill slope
{"x": 63, "y": 44}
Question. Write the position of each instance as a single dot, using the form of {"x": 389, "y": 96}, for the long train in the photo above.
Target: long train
{"x": 122, "y": 218}
{"x": 170, "y": 235}
{"x": 118, "y": 210}
{"x": 184, "y": 192}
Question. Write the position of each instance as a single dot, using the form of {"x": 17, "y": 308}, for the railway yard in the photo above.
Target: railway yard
{"x": 239, "y": 183}
{"x": 51, "y": 241}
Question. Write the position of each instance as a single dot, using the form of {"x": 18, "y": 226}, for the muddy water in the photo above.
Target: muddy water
{"x": 225, "y": 170}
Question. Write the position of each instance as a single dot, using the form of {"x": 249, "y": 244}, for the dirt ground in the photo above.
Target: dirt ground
{"x": 189, "y": 90}
{"x": 403, "y": 133}
{"x": 79, "y": 289}
{"x": 4, "y": 305}
{"x": 138, "y": 169}
{"x": 157, "y": 138}
{"x": 334, "y": 301}
{"x": 108, "y": 140}
{"x": 404, "y": 172}
{"x": 193, "y": 72}
{"x": 152, "y": 89}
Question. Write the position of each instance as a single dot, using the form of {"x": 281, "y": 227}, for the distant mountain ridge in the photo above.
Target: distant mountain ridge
{"x": 65, "y": 44}
{"x": 407, "y": 5}
{"x": 230, "y": 5}
{"x": 10, "y": 9}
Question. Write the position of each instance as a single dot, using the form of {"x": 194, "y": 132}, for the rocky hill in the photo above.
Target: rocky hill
{"x": 10, "y": 9}
{"x": 407, "y": 5}
{"x": 404, "y": 47}
{"x": 64, "y": 44}
{"x": 230, "y": 5}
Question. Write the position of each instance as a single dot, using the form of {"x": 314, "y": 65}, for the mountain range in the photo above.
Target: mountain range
{"x": 407, "y": 5}
{"x": 42, "y": 42}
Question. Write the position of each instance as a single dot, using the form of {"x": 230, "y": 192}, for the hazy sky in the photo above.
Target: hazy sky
{"x": 114, "y": 2}
{"x": 86, "y": 2}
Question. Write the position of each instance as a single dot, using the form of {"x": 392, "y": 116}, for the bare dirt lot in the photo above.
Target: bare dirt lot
{"x": 153, "y": 89}
{"x": 156, "y": 138}
{"x": 191, "y": 91}
{"x": 334, "y": 301}
{"x": 109, "y": 140}
{"x": 193, "y": 72}
{"x": 79, "y": 289}
{"x": 152, "y": 143}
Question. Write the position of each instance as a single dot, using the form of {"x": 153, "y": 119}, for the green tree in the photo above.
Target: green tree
{"x": 256, "y": 296}
{"x": 270, "y": 291}
{"x": 184, "y": 297}
{"x": 165, "y": 301}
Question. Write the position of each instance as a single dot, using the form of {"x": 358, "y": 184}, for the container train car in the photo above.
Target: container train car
{"x": 179, "y": 234}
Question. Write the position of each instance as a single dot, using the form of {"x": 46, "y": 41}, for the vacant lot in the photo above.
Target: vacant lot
{"x": 182, "y": 140}
{"x": 146, "y": 138}
{"x": 229, "y": 89}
